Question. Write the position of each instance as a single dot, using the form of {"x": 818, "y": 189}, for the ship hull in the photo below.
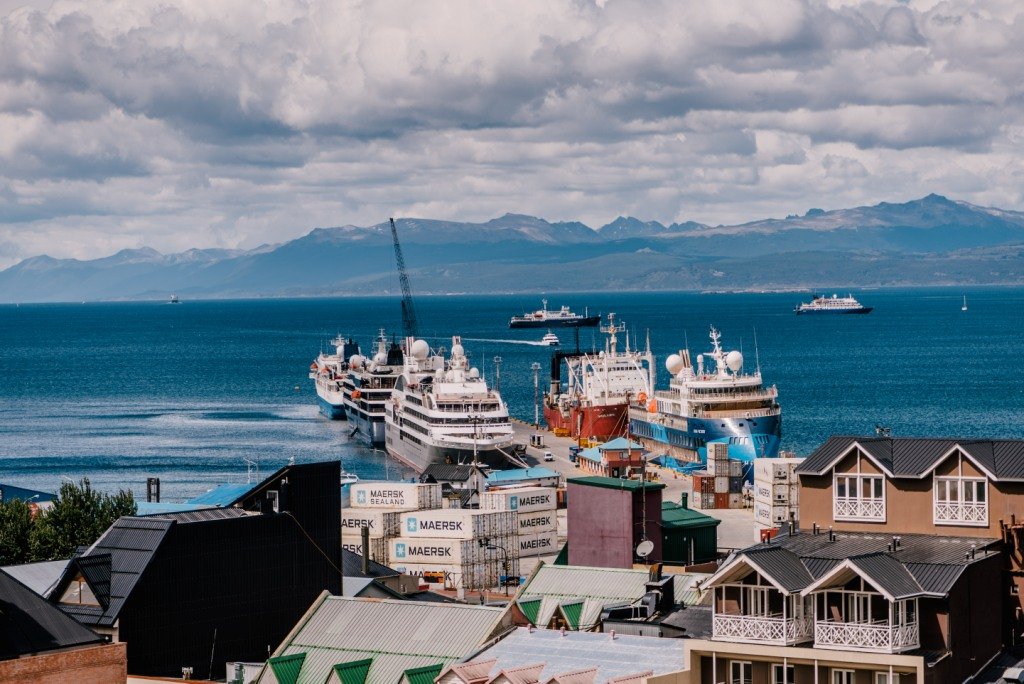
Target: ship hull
{"x": 369, "y": 429}
{"x": 419, "y": 456}
{"x": 583, "y": 322}
{"x": 834, "y": 312}
{"x": 331, "y": 410}
{"x": 590, "y": 422}
{"x": 688, "y": 438}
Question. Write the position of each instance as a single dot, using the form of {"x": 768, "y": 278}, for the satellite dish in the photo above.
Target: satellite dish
{"x": 644, "y": 548}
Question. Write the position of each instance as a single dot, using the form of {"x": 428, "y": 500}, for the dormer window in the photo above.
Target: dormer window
{"x": 79, "y": 593}
{"x": 960, "y": 501}
{"x": 859, "y": 497}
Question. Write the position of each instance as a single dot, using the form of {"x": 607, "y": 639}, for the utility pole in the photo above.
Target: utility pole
{"x": 535, "y": 367}
{"x": 497, "y": 374}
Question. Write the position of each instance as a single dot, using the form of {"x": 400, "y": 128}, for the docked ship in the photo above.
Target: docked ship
{"x": 563, "y": 318}
{"x": 442, "y": 411}
{"x": 367, "y": 387}
{"x": 719, "y": 404}
{"x": 594, "y": 403}
{"x": 328, "y": 372}
{"x": 832, "y": 305}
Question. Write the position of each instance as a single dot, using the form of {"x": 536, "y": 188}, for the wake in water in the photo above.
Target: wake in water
{"x": 532, "y": 343}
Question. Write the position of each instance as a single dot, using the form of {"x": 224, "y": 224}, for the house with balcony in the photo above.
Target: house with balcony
{"x": 896, "y": 485}
{"x": 852, "y": 608}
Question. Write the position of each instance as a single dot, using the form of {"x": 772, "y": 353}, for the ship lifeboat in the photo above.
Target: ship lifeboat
{"x": 356, "y": 394}
{"x": 312, "y": 366}
{"x": 652, "y": 407}
{"x": 642, "y": 397}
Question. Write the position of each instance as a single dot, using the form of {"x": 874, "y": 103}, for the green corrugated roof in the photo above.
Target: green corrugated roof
{"x": 353, "y": 672}
{"x": 423, "y": 675}
{"x": 530, "y": 608}
{"x": 616, "y": 483}
{"x": 563, "y": 556}
{"x": 287, "y": 667}
{"x": 675, "y": 516}
{"x": 572, "y": 612}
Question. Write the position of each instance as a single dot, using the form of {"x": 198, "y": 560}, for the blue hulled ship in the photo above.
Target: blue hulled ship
{"x": 705, "y": 405}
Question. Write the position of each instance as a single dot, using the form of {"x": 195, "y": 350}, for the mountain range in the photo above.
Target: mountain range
{"x": 929, "y": 241}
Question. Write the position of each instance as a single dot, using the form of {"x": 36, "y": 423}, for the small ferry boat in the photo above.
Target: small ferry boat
{"x": 563, "y": 318}
{"x": 832, "y": 305}
{"x": 551, "y": 339}
{"x": 174, "y": 299}
{"x": 348, "y": 478}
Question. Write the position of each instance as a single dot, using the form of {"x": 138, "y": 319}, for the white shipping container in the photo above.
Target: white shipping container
{"x": 448, "y": 551}
{"x": 458, "y": 524}
{"x": 763, "y": 491}
{"x": 407, "y": 496}
{"x": 539, "y": 544}
{"x": 469, "y": 577}
{"x": 542, "y": 521}
{"x": 381, "y": 521}
{"x": 794, "y": 494}
{"x": 771, "y": 516}
{"x": 772, "y": 469}
{"x": 520, "y": 499}
{"x": 721, "y": 484}
{"x": 378, "y": 547}
{"x": 717, "y": 450}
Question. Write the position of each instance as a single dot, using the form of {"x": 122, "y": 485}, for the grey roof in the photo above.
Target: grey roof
{"x": 1010, "y": 659}
{"x": 39, "y": 577}
{"x": 445, "y": 472}
{"x": 615, "y": 657}
{"x": 397, "y": 635}
{"x": 888, "y": 574}
{"x": 202, "y": 514}
{"x": 939, "y": 579}
{"x": 915, "y": 457}
{"x": 782, "y": 565}
{"x": 696, "y": 620}
{"x": 30, "y": 624}
{"x": 352, "y": 566}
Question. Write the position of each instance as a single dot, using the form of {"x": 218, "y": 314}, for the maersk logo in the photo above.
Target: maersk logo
{"x": 361, "y": 497}
{"x": 399, "y": 550}
{"x": 513, "y": 503}
{"x": 410, "y": 525}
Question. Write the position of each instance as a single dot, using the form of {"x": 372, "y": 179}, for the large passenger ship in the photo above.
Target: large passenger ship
{"x": 367, "y": 388}
{"x": 327, "y": 373}
{"x": 832, "y": 305}
{"x": 442, "y": 411}
{"x": 599, "y": 388}
{"x": 720, "y": 404}
{"x": 563, "y": 318}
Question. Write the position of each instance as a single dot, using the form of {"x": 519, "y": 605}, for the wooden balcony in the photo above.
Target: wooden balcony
{"x": 763, "y": 629}
{"x": 878, "y": 637}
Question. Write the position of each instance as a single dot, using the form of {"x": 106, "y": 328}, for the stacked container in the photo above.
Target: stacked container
{"x": 721, "y": 485}
{"x": 776, "y": 491}
{"x": 379, "y": 506}
{"x": 537, "y": 517}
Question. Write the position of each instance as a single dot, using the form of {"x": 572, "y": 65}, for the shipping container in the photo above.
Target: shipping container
{"x": 354, "y": 544}
{"x": 721, "y": 499}
{"x": 470, "y": 576}
{"x": 772, "y": 469}
{"x": 735, "y": 500}
{"x": 449, "y": 523}
{"x": 772, "y": 516}
{"x": 736, "y": 485}
{"x": 794, "y": 494}
{"x": 704, "y": 501}
{"x": 538, "y": 544}
{"x": 763, "y": 491}
{"x": 449, "y": 551}
{"x": 541, "y": 521}
{"x": 717, "y": 451}
{"x": 520, "y": 499}
{"x": 408, "y": 496}
{"x": 735, "y": 468}
{"x": 381, "y": 521}
{"x": 721, "y": 484}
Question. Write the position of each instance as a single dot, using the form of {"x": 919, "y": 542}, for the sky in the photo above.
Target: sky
{"x": 190, "y": 123}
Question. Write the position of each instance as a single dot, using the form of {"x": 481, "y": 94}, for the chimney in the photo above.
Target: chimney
{"x": 153, "y": 490}
{"x": 364, "y": 533}
{"x": 814, "y": 528}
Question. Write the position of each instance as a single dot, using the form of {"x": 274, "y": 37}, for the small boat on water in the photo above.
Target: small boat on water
{"x": 832, "y": 305}
{"x": 964, "y": 307}
{"x": 563, "y": 318}
{"x": 348, "y": 478}
{"x": 551, "y": 339}
{"x": 174, "y": 300}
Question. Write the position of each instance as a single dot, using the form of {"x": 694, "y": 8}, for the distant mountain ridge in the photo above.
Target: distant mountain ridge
{"x": 932, "y": 240}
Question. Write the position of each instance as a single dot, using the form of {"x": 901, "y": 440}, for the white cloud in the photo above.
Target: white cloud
{"x": 179, "y": 124}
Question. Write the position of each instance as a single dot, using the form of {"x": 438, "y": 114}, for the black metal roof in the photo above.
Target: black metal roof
{"x": 915, "y": 457}
{"x": 30, "y": 624}
{"x": 445, "y": 472}
{"x": 352, "y": 566}
{"x": 202, "y": 515}
{"x": 696, "y": 620}
{"x": 889, "y": 575}
{"x": 782, "y": 565}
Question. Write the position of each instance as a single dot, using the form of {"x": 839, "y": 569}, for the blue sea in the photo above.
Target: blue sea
{"x": 192, "y": 392}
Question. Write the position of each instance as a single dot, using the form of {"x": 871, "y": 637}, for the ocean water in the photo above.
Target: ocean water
{"x": 191, "y": 393}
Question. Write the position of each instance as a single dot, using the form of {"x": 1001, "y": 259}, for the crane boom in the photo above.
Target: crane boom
{"x": 408, "y": 312}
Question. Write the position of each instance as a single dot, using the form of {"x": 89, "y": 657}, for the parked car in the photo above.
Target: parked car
{"x": 548, "y": 456}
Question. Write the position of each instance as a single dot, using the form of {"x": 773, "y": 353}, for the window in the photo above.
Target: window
{"x": 842, "y": 676}
{"x": 741, "y": 672}
{"x": 79, "y": 593}
{"x": 883, "y": 678}
{"x": 859, "y": 497}
{"x": 783, "y": 674}
{"x": 960, "y": 500}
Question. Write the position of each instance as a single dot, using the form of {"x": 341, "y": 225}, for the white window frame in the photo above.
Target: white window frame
{"x": 787, "y": 672}
{"x": 883, "y": 678}
{"x": 958, "y": 489}
{"x": 875, "y": 483}
{"x": 744, "y": 665}
{"x": 842, "y": 676}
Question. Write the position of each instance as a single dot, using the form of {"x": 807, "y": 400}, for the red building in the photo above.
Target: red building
{"x": 618, "y": 458}
{"x": 609, "y": 517}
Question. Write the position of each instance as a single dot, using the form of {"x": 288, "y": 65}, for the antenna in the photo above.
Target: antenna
{"x": 757, "y": 353}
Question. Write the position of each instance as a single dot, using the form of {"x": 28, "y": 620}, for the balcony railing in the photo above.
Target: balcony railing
{"x": 863, "y": 636}
{"x": 859, "y": 509}
{"x": 763, "y": 629}
{"x": 961, "y": 512}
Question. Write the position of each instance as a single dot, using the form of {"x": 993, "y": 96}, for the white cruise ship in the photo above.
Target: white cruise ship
{"x": 442, "y": 411}
{"x": 327, "y": 373}
{"x": 367, "y": 388}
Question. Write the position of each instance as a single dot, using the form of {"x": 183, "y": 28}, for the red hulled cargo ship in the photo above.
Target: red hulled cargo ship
{"x": 595, "y": 401}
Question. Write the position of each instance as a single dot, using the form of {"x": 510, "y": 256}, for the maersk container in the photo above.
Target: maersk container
{"x": 776, "y": 469}
{"x": 353, "y": 543}
{"x": 541, "y": 521}
{"x": 538, "y": 544}
{"x": 771, "y": 516}
{"x": 763, "y": 491}
{"x": 406, "y": 496}
{"x": 519, "y": 499}
{"x": 382, "y": 522}
{"x": 470, "y": 576}
{"x": 458, "y": 524}
{"x": 448, "y": 551}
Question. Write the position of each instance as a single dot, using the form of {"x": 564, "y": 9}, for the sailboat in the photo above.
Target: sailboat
{"x": 964, "y": 307}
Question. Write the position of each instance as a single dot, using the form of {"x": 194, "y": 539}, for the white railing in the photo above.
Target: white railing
{"x": 859, "y": 509}
{"x": 866, "y": 636}
{"x": 966, "y": 512}
{"x": 766, "y": 630}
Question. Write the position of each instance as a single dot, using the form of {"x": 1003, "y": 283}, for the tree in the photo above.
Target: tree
{"x": 78, "y": 517}
{"x": 15, "y": 529}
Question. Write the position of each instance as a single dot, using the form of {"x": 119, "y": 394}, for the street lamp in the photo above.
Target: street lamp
{"x": 486, "y": 543}
{"x": 535, "y": 367}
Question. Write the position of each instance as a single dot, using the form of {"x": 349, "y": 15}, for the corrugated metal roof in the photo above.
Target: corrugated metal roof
{"x": 675, "y": 516}
{"x": 620, "y": 656}
{"x": 39, "y": 577}
{"x": 913, "y": 548}
{"x": 397, "y": 635}
{"x": 447, "y": 472}
{"x": 619, "y": 443}
{"x": 516, "y": 474}
{"x": 10, "y": 492}
{"x": 934, "y": 578}
{"x": 30, "y": 624}
{"x": 781, "y": 565}
{"x": 887, "y": 574}
{"x": 144, "y": 508}
{"x": 204, "y": 515}
{"x": 615, "y": 483}
{"x": 422, "y": 675}
{"x": 224, "y": 494}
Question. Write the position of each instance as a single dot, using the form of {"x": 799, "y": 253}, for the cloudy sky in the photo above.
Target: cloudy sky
{"x": 231, "y": 123}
